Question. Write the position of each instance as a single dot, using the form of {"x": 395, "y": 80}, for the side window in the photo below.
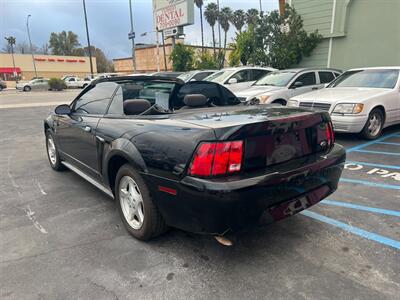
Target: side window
{"x": 117, "y": 106}
{"x": 307, "y": 78}
{"x": 200, "y": 76}
{"x": 72, "y": 79}
{"x": 95, "y": 100}
{"x": 242, "y": 76}
{"x": 336, "y": 74}
{"x": 258, "y": 73}
{"x": 325, "y": 77}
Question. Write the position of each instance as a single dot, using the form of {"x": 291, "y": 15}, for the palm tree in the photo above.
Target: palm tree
{"x": 238, "y": 19}
{"x": 252, "y": 16}
{"x": 211, "y": 15}
{"x": 225, "y": 16}
{"x": 199, "y": 4}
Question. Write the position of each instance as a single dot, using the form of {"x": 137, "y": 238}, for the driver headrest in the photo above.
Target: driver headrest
{"x": 195, "y": 100}
{"x": 136, "y": 106}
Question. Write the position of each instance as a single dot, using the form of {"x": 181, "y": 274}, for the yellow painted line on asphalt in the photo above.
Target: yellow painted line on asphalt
{"x": 24, "y": 105}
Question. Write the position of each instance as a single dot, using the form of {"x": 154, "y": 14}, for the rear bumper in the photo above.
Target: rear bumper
{"x": 352, "y": 124}
{"x": 220, "y": 205}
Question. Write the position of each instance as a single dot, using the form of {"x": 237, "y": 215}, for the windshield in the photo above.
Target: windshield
{"x": 385, "y": 79}
{"x": 276, "y": 79}
{"x": 220, "y": 76}
{"x": 185, "y": 76}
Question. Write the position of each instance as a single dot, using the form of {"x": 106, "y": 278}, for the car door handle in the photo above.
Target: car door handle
{"x": 87, "y": 128}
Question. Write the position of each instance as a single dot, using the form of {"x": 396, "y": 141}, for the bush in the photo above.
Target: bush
{"x": 56, "y": 84}
{"x": 182, "y": 58}
{"x": 206, "y": 61}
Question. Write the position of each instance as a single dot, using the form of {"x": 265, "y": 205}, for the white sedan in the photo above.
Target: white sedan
{"x": 363, "y": 100}
{"x": 237, "y": 78}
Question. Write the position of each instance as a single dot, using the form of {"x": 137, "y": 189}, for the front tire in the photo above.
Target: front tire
{"x": 52, "y": 152}
{"x": 373, "y": 127}
{"x": 27, "y": 88}
{"x": 136, "y": 207}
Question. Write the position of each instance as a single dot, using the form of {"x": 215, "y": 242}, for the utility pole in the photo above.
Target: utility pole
{"x": 88, "y": 40}
{"x": 158, "y": 52}
{"x": 219, "y": 28}
{"x": 30, "y": 44}
{"x": 260, "y": 7}
{"x": 11, "y": 42}
{"x": 163, "y": 44}
{"x": 132, "y": 38}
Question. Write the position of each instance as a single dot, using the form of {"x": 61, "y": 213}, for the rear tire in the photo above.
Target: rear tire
{"x": 52, "y": 152}
{"x": 373, "y": 127}
{"x": 138, "y": 212}
{"x": 27, "y": 88}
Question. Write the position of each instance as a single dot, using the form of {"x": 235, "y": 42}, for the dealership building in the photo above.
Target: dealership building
{"x": 47, "y": 66}
{"x": 356, "y": 33}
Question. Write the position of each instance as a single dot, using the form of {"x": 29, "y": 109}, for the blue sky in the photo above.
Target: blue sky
{"x": 108, "y": 21}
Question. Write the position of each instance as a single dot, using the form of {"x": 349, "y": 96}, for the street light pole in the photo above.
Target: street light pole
{"x": 88, "y": 40}
{"x": 260, "y": 7}
{"x": 30, "y": 44}
{"x": 133, "y": 38}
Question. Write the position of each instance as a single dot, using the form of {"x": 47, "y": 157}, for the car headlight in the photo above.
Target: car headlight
{"x": 293, "y": 103}
{"x": 348, "y": 108}
{"x": 263, "y": 98}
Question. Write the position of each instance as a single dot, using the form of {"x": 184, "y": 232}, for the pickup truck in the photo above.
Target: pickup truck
{"x": 76, "y": 82}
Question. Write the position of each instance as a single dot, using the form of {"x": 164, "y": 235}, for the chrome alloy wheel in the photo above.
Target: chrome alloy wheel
{"x": 374, "y": 125}
{"x": 131, "y": 202}
{"x": 51, "y": 150}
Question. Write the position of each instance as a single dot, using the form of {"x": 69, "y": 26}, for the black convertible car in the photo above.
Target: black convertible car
{"x": 192, "y": 156}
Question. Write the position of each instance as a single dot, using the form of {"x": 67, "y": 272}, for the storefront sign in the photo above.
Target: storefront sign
{"x": 173, "y": 13}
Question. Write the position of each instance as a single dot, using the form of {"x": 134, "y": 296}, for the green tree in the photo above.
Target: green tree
{"x": 103, "y": 64}
{"x": 238, "y": 19}
{"x": 286, "y": 42}
{"x": 182, "y": 58}
{"x": 211, "y": 15}
{"x": 199, "y": 4}
{"x": 63, "y": 43}
{"x": 243, "y": 48}
{"x": 206, "y": 61}
{"x": 225, "y": 16}
{"x": 252, "y": 17}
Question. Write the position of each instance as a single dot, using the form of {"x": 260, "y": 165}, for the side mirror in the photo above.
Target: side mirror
{"x": 63, "y": 109}
{"x": 297, "y": 84}
{"x": 232, "y": 81}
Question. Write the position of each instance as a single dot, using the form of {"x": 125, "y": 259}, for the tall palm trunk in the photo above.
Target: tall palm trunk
{"x": 202, "y": 30}
{"x": 213, "y": 37}
{"x": 223, "y": 57}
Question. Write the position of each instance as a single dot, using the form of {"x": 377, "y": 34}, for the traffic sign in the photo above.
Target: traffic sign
{"x": 173, "y": 31}
{"x": 131, "y": 35}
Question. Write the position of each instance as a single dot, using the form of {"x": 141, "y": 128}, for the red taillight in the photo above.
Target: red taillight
{"x": 211, "y": 159}
{"x": 330, "y": 135}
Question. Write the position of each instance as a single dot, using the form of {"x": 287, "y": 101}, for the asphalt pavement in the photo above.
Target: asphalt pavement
{"x": 61, "y": 238}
